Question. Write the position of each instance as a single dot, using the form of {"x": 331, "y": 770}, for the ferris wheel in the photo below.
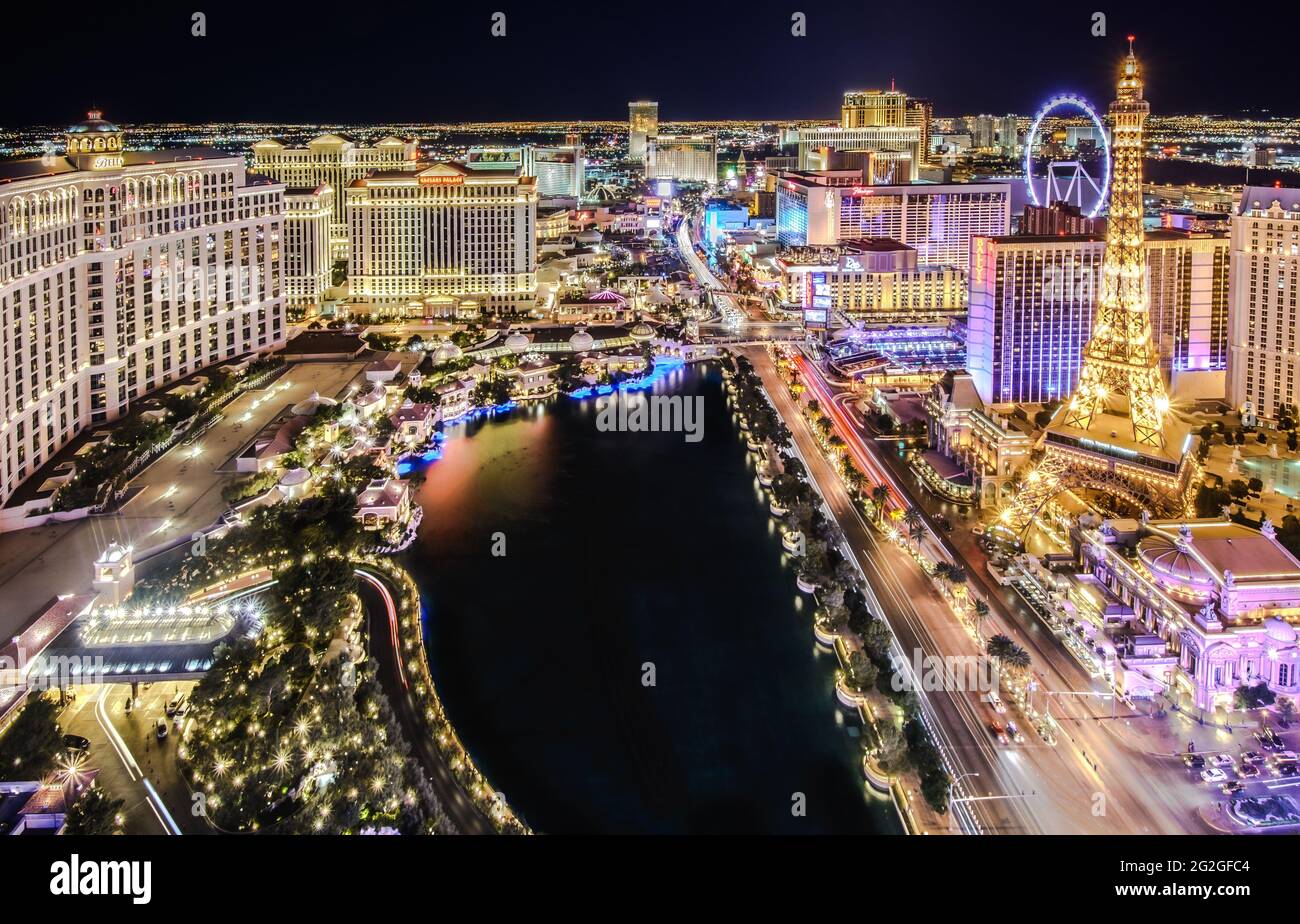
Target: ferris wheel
{"x": 1052, "y": 175}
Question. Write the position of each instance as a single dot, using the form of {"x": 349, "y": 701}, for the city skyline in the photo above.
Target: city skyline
{"x": 930, "y": 471}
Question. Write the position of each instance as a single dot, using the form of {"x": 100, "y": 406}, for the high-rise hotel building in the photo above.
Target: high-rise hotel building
{"x": 1031, "y": 306}
{"x": 688, "y": 158}
{"x": 308, "y": 263}
{"x": 121, "y": 271}
{"x": 1263, "y": 358}
{"x": 939, "y": 220}
{"x": 334, "y": 161}
{"x": 642, "y": 124}
{"x": 448, "y": 231}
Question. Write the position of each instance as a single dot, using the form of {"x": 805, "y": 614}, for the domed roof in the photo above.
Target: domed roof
{"x": 518, "y": 342}
{"x": 641, "y": 331}
{"x": 294, "y": 477}
{"x": 374, "y": 396}
{"x": 1166, "y": 558}
{"x": 1279, "y": 630}
{"x": 608, "y": 295}
{"x": 590, "y": 236}
{"x": 446, "y": 351}
{"x": 94, "y": 122}
{"x": 311, "y": 404}
{"x": 581, "y": 341}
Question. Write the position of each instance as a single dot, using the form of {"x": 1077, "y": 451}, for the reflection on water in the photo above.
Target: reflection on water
{"x": 638, "y": 661}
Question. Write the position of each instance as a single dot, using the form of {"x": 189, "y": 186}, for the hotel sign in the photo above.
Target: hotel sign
{"x": 107, "y": 162}
{"x": 456, "y": 180}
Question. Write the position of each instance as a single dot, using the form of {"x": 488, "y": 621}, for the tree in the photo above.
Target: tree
{"x": 913, "y": 520}
{"x": 1253, "y": 697}
{"x": 95, "y": 813}
{"x": 32, "y": 744}
{"x": 1285, "y": 711}
{"x": 862, "y": 673}
{"x": 879, "y": 495}
{"x": 981, "y": 613}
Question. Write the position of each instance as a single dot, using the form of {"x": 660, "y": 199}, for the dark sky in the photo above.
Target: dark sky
{"x": 432, "y": 60}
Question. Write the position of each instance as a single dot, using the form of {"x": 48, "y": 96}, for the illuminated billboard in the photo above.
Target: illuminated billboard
{"x": 817, "y": 306}
{"x": 664, "y": 188}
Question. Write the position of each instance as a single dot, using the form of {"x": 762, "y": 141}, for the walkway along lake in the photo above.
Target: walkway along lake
{"x": 625, "y": 549}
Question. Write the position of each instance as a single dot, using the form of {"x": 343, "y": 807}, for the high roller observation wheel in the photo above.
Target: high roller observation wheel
{"x": 1060, "y": 102}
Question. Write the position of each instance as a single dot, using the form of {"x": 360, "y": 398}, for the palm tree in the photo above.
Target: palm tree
{"x": 879, "y": 494}
{"x": 999, "y": 646}
{"x": 913, "y": 520}
{"x": 981, "y": 614}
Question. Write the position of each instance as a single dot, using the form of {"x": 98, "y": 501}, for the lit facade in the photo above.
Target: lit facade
{"x": 308, "y": 265}
{"x": 988, "y": 448}
{"x": 875, "y": 280}
{"x": 1199, "y": 608}
{"x": 558, "y": 169}
{"x": 904, "y": 139}
{"x": 688, "y": 158}
{"x": 448, "y": 230}
{"x": 121, "y": 271}
{"x": 1033, "y": 297}
{"x": 938, "y": 220}
{"x": 642, "y": 124}
{"x": 1262, "y": 358}
{"x": 334, "y": 161}
{"x": 1030, "y": 314}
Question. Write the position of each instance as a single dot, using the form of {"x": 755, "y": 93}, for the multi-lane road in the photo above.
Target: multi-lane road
{"x": 1096, "y": 779}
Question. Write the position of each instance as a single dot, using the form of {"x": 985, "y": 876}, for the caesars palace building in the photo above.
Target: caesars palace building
{"x": 122, "y": 271}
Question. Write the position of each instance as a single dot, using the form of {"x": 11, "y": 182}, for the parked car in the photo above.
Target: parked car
{"x": 176, "y": 705}
{"x": 160, "y": 729}
{"x": 1214, "y": 775}
{"x": 76, "y": 743}
{"x": 999, "y": 733}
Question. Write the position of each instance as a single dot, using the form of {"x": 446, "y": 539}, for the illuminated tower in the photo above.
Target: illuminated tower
{"x": 1120, "y": 367}
{"x": 1115, "y": 435}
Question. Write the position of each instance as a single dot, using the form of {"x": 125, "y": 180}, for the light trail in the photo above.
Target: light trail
{"x": 392, "y": 621}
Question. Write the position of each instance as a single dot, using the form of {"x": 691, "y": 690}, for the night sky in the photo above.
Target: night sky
{"x": 436, "y": 61}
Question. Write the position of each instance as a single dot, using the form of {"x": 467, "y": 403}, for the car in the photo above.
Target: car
{"x": 1251, "y": 757}
{"x": 1223, "y": 759}
{"x": 1269, "y": 740}
{"x": 176, "y": 705}
{"x": 1248, "y": 771}
{"x": 1194, "y": 761}
{"x": 1214, "y": 775}
{"x": 1016, "y": 735}
{"x": 160, "y": 729}
{"x": 999, "y": 733}
{"x": 1231, "y": 788}
{"x": 1286, "y": 768}
{"x": 1285, "y": 755}
{"x": 996, "y": 702}
{"x": 76, "y": 743}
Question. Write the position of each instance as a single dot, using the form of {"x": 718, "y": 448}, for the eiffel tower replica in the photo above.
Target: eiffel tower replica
{"x": 1115, "y": 435}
